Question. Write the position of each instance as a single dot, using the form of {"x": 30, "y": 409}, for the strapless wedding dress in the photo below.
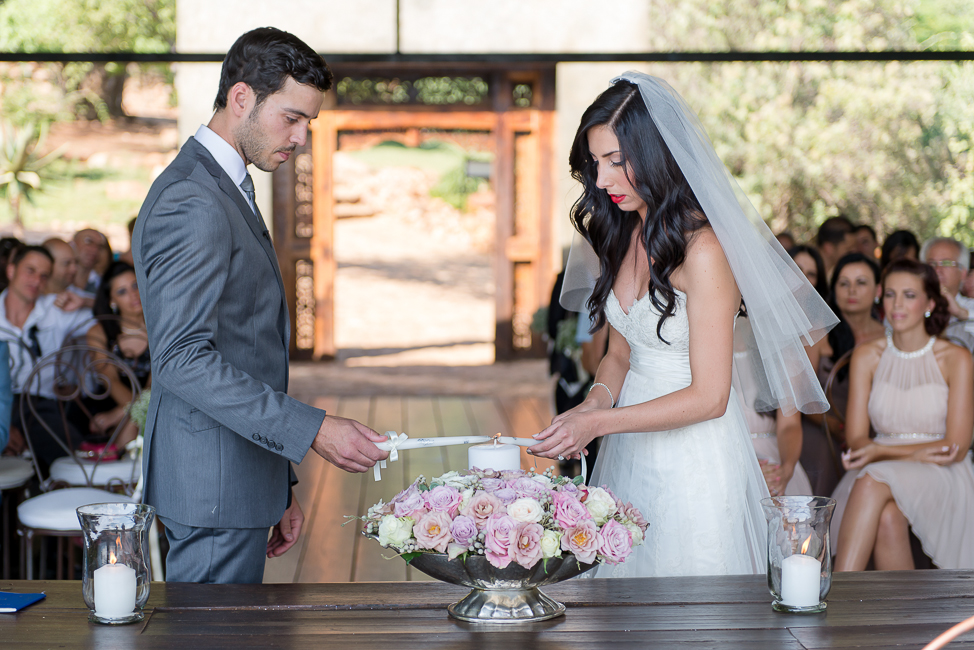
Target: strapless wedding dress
{"x": 700, "y": 486}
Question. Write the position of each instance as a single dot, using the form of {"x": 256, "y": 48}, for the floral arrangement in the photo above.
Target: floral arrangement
{"x": 508, "y": 516}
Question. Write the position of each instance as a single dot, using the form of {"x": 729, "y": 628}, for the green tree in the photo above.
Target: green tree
{"x": 888, "y": 144}
{"x": 89, "y": 26}
{"x": 21, "y": 168}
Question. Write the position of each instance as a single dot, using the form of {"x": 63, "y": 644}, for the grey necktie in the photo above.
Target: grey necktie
{"x": 247, "y": 185}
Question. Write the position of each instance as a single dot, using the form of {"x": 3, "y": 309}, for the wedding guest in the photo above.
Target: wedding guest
{"x": 866, "y": 241}
{"x": 950, "y": 259}
{"x": 900, "y": 244}
{"x": 33, "y": 327}
{"x": 854, "y": 290}
{"x": 967, "y": 288}
{"x": 7, "y": 247}
{"x": 222, "y": 431}
{"x": 121, "y": 331}
{"x": 914, "y": 390}
{"x": 127, "y": 255}
{"x": 810, "y": 262}
{"x": 65, "y": 265}
{"x": 89, "y": 245}
{"x": 786, "y": 239}
{"x": 834, "y": 239}
{"x": 6, "y": 395}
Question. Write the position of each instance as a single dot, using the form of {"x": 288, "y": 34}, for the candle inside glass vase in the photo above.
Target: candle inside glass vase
{"x": 114, "y": 590}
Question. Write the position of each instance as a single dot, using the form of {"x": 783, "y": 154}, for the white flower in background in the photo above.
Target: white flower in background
{"x": 395, "y": 531}
{"x": 637, "y": 534}
{"x": 601, "y": 505}
{"x": 526, "y": 510}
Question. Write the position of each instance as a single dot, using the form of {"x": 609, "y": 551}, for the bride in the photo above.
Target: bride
{"x": 670, "y": 252}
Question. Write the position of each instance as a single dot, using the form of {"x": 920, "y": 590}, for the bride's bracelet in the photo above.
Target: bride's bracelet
{"x": 611, "y": 399}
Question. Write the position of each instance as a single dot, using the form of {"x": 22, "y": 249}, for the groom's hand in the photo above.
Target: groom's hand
{"x": 286, "y": 533}
{"x": 348, "y": 445}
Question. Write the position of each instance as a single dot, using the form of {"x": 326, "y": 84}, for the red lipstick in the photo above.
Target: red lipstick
{"x": 617, "y": 198}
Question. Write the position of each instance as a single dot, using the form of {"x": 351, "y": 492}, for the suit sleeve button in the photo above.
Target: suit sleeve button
{"x": 280, "y": 447}
{"x": 256, "y": 437}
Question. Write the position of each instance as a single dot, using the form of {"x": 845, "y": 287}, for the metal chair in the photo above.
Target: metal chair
{"x": 80, "y": 372}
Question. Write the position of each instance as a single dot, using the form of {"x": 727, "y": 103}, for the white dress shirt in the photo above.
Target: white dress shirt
{"x": 225, "y": 156}
{"x": 53, "y": 325}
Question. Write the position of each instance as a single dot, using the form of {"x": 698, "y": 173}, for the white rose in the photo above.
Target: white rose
{"x": 395, "y": 531}
{"x": 465, "y": 497}
{"x": 542, "y": 479}
{"x": 600, "y": 505}
{"x": 453, "y": 479}
{"x": 526, "y": 510}
{"x": 551, "y": 543}
{"x": 637, "y": 533}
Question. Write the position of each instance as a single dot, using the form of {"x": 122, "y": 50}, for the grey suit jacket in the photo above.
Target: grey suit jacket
{"x": 220, "y": 430}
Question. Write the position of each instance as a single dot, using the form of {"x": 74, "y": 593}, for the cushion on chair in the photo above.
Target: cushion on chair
{"x": 68, "y": 471}
{"x": 14, "y": 472}
{"x": 56, "y": 510}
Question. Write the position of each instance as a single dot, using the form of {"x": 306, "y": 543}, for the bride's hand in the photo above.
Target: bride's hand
{"x": 568, "y": 434}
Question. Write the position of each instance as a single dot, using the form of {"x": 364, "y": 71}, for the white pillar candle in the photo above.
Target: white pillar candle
{"x": 114, "y": 591}
{"x": 801, "y": 581}
{"x": 494, "y": 456}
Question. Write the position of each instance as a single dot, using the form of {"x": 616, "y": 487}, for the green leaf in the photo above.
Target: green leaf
{"x": 409, "y": 557}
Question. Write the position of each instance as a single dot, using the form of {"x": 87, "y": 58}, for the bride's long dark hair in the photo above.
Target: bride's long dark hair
{"x": 673, "y": 212}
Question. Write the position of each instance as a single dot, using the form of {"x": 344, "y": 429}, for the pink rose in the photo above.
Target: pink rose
{"x": 409, "y": 503}
{"x": 528, "y": 487}
{"x": 526, "y": 549}
{"x": 480, "y": 507}
{"x": 631, "y": 513}
{"x": 491, "y": 484}
{"x": 616, "y": 542}
{"x": 569, "y": 511}
{"x": 583, "y": 541}
{"x": 432, "y": 531}
{"x": 464, "y": 530}
{"x": 443, "y": 499}
{"x": 506, "y": 496}
{"x": 500, "y": 533}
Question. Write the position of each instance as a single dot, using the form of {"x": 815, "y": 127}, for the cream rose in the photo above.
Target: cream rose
{"x": 395, "y": 531}
{"x": 601, "y": 505}
{"x": 526, "y": 510}
{"x": 551, "y": 543}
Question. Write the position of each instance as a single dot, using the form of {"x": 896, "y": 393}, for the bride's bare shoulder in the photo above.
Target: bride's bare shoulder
{"x": 705, "y": 261}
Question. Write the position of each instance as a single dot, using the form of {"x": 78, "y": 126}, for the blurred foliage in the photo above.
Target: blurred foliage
{"x": 91, "y": 89}
{"x": 887, "y": 144}
{"x": 21, "y": 168}
{"x": 434, "y": 91}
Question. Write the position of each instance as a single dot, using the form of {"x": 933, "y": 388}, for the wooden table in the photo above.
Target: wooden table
{"x": 866, "y": 610}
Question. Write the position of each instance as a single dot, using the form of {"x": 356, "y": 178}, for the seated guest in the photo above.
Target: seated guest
{"x": 127, "y": 255}
{"x": 967, "y": 288}
{"x": 61, "y": 282}
{"x": 834, "y": 239}
{"x": 7, "y": 246}
{"x": 854, "y": 289}
{"x": 6, "y": 395}
{"x": 123, "y": 334}
{"x": 89, "y": 244}
{"x": 810, "y": 263}
{"x": 900, "y": 244}
{"x": 33, "y": 326}
{"x": 915, "y": 390}
{"x": 950, "y": 259}
{"x": 866, "y": 241}
{"x": 776, "y": 437}
{"x": 786, "y": 239}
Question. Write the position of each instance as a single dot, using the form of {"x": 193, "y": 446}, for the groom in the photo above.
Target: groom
{"x": 221, "y": 432}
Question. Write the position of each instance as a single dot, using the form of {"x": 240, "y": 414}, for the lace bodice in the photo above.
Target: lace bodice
{"x": 633, "y": 326}
{"x": 908, "y": 400}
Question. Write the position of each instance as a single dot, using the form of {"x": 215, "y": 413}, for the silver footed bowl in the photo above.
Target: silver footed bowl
{"x": 508, "y": 595}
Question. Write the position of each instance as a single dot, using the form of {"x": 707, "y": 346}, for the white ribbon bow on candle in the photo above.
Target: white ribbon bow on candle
{"x": 395, "y": 439}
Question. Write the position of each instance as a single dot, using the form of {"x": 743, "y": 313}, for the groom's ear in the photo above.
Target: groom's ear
{"x": 241, "y": 100}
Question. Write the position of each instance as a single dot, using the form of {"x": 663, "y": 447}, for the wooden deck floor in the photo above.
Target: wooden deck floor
{"x": 328, "y": 552}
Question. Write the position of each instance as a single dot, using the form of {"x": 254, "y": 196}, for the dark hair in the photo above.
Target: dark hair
{"x": 264, "y": 58}
{"x": 21, "y": 252}
{"x": 833, "y": 230}
{"x": 896, "y": 245}
{"x": 841, "y": 338}
{"x": 103, "y": 300}
{"x": 673, "y": 212}
{"x": 936, "y": 323}
{"x": 822, "y": 282}
{"x": 867, "y": 228}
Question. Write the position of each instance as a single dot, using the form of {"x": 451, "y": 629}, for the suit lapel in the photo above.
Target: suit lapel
{"x": 254, "y": 221}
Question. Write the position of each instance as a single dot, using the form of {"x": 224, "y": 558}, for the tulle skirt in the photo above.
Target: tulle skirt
{"x": 699, "y": 487}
